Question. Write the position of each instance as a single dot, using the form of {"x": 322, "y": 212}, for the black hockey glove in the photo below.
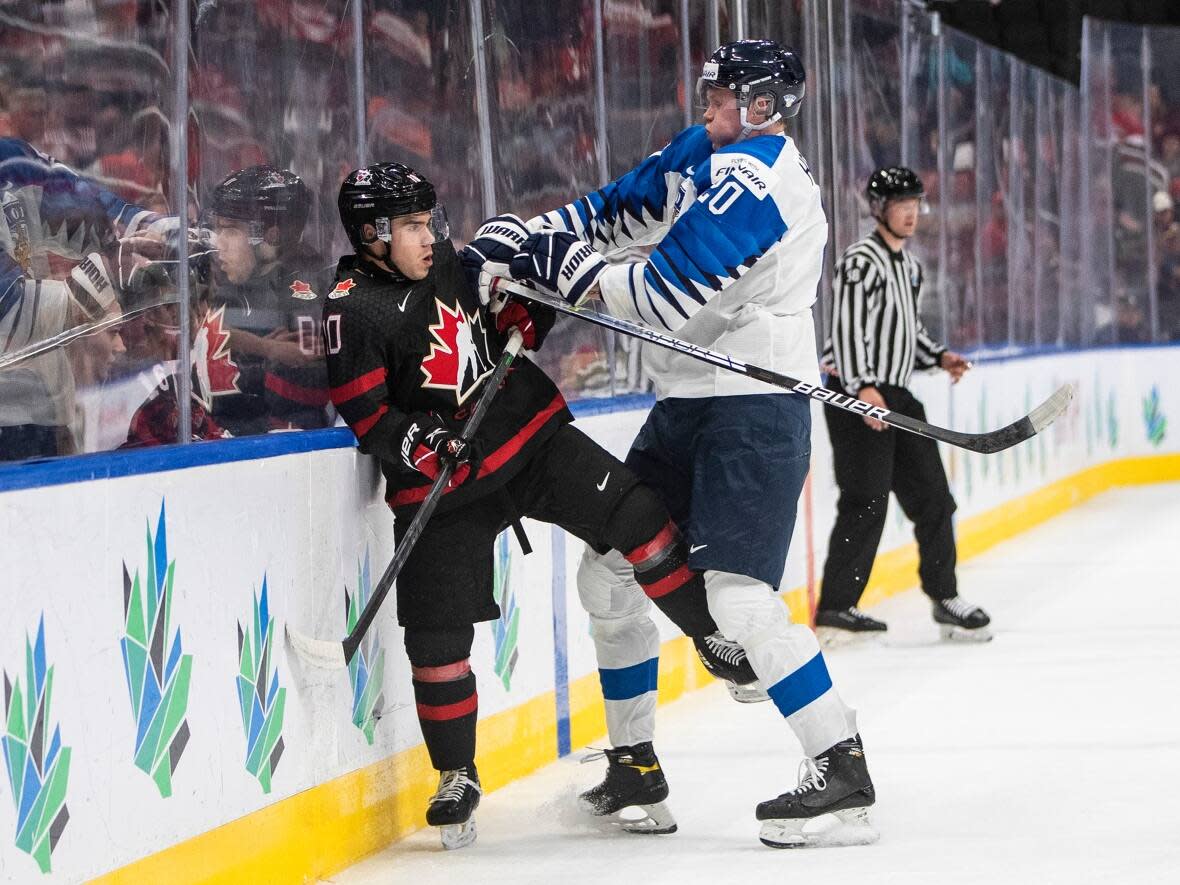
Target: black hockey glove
{"x": 559, "y": 262}
{"x": 533, "y": 320}
{"x": 427, "y": 444}
{"x": 496, "y": 242}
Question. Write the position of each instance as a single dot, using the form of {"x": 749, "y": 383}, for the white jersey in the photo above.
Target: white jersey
{"x": 739, "y": 237}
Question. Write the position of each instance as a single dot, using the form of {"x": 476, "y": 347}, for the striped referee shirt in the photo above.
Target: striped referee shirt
{"x": 877, "y": 336}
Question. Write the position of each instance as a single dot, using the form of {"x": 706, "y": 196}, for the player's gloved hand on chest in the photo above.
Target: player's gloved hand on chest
{"x": 495, "y": 244}
{"x": 560, "y": 262}
{"x": 428, "y": 444}
{"x": 533, "y": 320}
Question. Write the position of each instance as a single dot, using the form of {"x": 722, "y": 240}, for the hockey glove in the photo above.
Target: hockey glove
{"x": 91, "y": 287}
{"x": 427, "y": 444}
{"x": 496, "y": 242}
{"x": 559, "y": 262}
{"x": 533, "y": 320}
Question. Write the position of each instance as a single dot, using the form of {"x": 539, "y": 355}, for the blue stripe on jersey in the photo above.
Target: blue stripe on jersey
{"x": 620, "y": 206}
{"x": 796, "y": 690}
{"x": 629, "y": 682}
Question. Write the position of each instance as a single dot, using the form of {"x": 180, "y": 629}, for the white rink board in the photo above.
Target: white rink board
{"x": 305, "y": 522}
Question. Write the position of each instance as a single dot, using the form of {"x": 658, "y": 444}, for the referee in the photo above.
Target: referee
{"x": 877, "y": 342}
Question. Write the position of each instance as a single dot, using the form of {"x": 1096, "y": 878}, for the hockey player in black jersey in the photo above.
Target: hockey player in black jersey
{"x": 271, "y": 286}
{"x": 409, "y": 342}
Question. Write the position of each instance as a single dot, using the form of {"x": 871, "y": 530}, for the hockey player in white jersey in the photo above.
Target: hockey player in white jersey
{"x": 739, "y": 235}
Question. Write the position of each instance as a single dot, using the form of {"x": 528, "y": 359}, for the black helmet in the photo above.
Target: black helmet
{"x": 752, "y": 68}
{"x": 376, "y": 193}
{"x": 892, "y": 183}
{"x": 267, "y": 197}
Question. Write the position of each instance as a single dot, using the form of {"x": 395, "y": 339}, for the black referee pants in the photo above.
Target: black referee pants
{"x": 869, "y": 465}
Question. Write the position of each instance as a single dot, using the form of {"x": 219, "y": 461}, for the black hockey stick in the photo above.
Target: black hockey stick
{"x": 987, "y": 443}
{"x": 335, "y": 654}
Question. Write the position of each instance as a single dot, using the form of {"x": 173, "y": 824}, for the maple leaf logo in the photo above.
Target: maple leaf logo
{"x": 458, "y": 358}
{"x": 302, "y": 290}
{"x": 342, "y": 288}
{"x": 215, "y": 373}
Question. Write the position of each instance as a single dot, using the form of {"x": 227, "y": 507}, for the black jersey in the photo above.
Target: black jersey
{"x": 396, "y": 348}
{"x": 286, "y": 302}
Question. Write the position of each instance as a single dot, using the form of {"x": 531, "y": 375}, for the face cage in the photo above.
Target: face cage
{"x": 438, "y": 225}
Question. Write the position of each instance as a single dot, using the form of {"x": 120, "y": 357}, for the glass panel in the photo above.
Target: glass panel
{"x": 272, "y": 134}
{"x": 545, "y": 136}
{"x": 957, "y": 203}
{"x": 86, "y": 96}
{"x": 1164, "y": 90}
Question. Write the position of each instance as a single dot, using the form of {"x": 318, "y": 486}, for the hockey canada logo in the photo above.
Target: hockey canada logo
{"x": 261, "y": 700}
{"x": 342, "y": 288}
{"x": 214, "y": 371}
{"x": 458, "y": 358}
{"x": 157, "y": 671}
{"x": 37, "y": 764}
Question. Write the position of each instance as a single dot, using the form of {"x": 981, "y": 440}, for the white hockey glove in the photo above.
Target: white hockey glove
{"x": 496, "y": 242}
{"x": 91, "y": 287}
{"x": 559, "y": 262}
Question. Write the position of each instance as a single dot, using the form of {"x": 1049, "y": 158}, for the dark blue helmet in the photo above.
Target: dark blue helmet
{"x": 754, "y": 68}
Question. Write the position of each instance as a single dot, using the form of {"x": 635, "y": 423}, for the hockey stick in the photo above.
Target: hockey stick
{"x": 61, "y": 339}
{"x": 333, "y": 654}
{"x": 987, "y": 443}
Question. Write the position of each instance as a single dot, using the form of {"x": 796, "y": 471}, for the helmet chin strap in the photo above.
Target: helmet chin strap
{"x": 748, "y": 127}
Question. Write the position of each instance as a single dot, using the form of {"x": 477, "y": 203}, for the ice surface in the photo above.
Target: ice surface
{"x": 1051, "y": 754}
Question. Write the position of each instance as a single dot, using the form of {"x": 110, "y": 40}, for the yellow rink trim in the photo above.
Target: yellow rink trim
{"x": 897, "y": 570}
{"x": 333, "y": 825}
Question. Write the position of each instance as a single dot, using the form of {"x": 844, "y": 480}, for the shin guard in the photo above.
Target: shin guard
{"x": 447, "y": 710}
{"x": 661, "y": 569}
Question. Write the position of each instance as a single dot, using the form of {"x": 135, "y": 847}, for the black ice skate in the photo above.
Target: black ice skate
{"x": 453, "y": 804}
{"x": 829, "y": 807}
{"x": 634, "y": 786}
{"x": 960, "y": 620}
{"x": 839, "y": 626}
{"x": 727, "y": 661}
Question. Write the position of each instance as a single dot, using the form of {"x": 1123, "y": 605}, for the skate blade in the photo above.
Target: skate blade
{"x": 751, "y": 693}
{"x": 647, "y": 820}
{"x": 834, "y": 637}
{"x": 456, "y": 836}
{"x": 836, "y": 829}
{"x": 953, "y": 633}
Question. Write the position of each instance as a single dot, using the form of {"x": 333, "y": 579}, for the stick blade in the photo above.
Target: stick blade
{"x": 323, "y": 653}
{"x": 1052, "y": 408}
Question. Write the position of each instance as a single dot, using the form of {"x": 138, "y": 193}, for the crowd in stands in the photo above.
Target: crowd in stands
{"x": 272, "y": 82}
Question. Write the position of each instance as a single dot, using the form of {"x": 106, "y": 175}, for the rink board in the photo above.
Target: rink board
{"x": 330, "y": 766}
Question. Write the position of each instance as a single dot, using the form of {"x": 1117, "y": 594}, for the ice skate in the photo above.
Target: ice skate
{"x": 632, "y": 794}
{"x": 961, "y": 621}
{"x": 829, "y": 807}
{"x": 727, "y": 661}
{"x": 452, "y": 806}
{"x": 836, "y": 627}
